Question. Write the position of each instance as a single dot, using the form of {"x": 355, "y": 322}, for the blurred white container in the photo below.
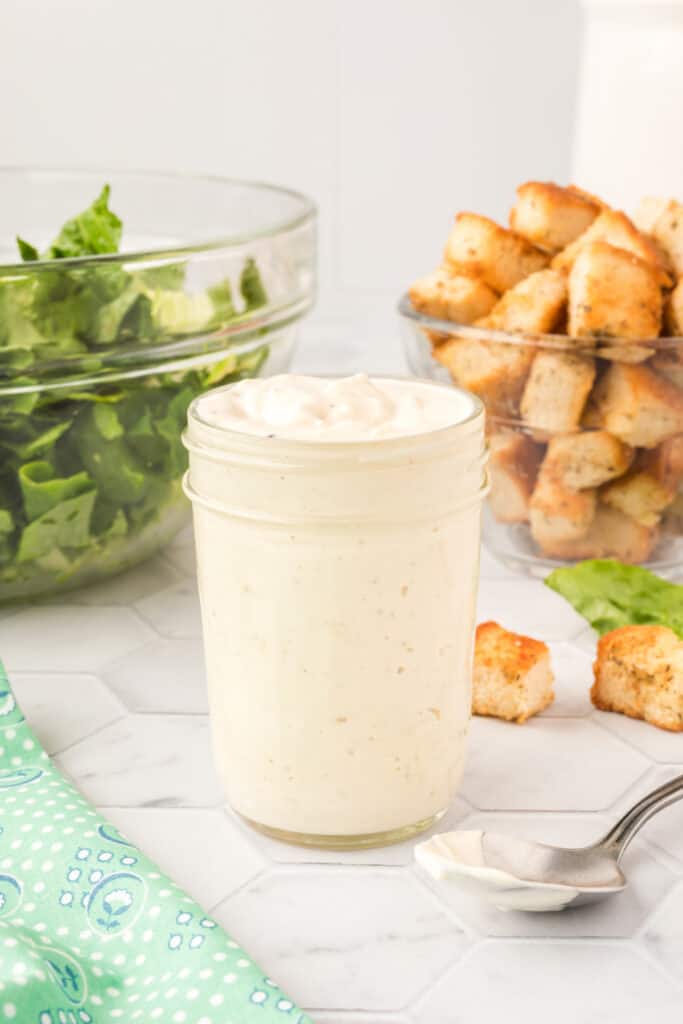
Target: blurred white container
{"x": 629, "y": 141}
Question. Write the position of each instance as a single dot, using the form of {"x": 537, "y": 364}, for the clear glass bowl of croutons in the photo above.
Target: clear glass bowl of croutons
{"x": 569, "y": 326}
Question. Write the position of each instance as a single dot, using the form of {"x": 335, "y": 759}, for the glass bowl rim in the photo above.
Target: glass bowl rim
{"x": 306, "y": 214}
{"x": 563, "y": 342}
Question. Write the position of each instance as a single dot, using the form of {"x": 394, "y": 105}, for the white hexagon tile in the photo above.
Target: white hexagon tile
{"x": 367, "y": 938}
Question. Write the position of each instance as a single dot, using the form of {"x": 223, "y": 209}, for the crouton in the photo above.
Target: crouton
{"x": 481, "y": 247}
{"x": 665, "y": 462}
{"x": 452, "y": 297}
{"x": 613, "y": 293}
{"x": 648, "y": 212}
{"x": 638, "y": 406}
{"x": 586, "y": 459}
{"x": 614, "y": 227}
{"x": 535, "y": 305}
{"x": 672, "y": 520}
{"x": 639, "y": 672}
{"x": 589, "y": 197}
{"x": 639, "y": 495}
{"x": 557, "y": 513}
{"x": 610, "y": 535}
{"x": 555, "y": 393}
{"x": 673, "y": 312}
{"x": 495, "y": 371}
{"x": 513, "y": 466}
{"x": 669, "y": 363}
{"x": 512, "y": 676}
{"x": 667, "y": 230}
{"x": 550, "y": 216}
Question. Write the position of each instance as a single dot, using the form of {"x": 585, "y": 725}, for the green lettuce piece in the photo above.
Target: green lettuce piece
{"x": 223, "y": 306}
{"x": 251, "y": 286}
{"x": 67, "y": 525}
{"x": 27, "y": 251}
{"x": 42, "y": 490}
{"x": 107, "y": 422}
{"x": 610, "y": 594}
{"x": 94, "y": 231}
{"x": 127, "y": 318}
{"x": 178, "y": 313}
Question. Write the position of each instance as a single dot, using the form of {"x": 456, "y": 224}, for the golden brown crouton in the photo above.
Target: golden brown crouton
{"x": 452, "y": 297}
{"x": 481, "y": 247}
{"x": 667, "y": 230}
{"x": 495, "y": 371}
{"x": 610, "y": 535}
{"x": 557, "y": 513}
{"x": 614, "y": 227}
{"x": 513, "y": 466}
{"x": 665, "y": 462}
{"x": 512, "y": 677}
{"x": 638, "y": 406}
{"x": 555, "y": 393}
{"x": 669, "y": 363}
{"x": 550, "y": 216}
{"x": 589, "y": 197}
{"x": 586, "y": 459}
{"x": 648, "y": 212}
{"x": 639, "y": 672}
{"x": 673, "y": 312}
{"x": 639, "y": 495}
{"x": 535, "y": 305}
{"x": 613, "y": 293}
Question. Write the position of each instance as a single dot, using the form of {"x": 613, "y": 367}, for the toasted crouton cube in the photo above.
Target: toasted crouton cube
{"x": 673, "y": 312}
{"x": 669, "y": 363}
{"x": 557, "y": 513}
{"x": 596, "y": 200}
{"x": 639, "y": 672}
{"x": 512, "y": 677}
{"x": 613, "y": 293}
{"x": 665, "y": 462}
{"x": 639, "y": 495}
{"x": 667, "y": 230}
{"x": 452, "y": 297}
{"x": 648, "y": 212}
{"x": 481, "y": 247}
{"x": 610, "y": 535}
{"x": 614, "y": 227}
{"x": 555, "y": 393}
{"x": 550, "y": 216}
{"x": 513, "y": 466}
{"x": 535, "y": 305}
{"x": 495, "y": 371}
{"x": 639, "y": 406}
{"x": 587, "y": 459}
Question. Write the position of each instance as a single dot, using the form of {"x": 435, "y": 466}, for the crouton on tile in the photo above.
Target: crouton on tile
{"x": 614, "y": 227}
{"x": 638, "y": 405}
{"x": 639, "y": 672}
{"x": 612, "y": 293}
{"x": 556, "y": 391}
{"x": 513, "y": 466}
{"x": 512, "y": 677}
{"x": 588, "y": 458}
{"x": 452, "y": 297}
{"x": 535, "y": 305}
{"x": 481, "y": 247}
{"x": 610, "y": 535}
{"x": 550, "y": 216}
{"x": 639, "y": 495}
{"x": 495, "y": 371}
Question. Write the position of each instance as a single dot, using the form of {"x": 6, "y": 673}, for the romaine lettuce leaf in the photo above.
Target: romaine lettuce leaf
{"x": 610, "y": 594}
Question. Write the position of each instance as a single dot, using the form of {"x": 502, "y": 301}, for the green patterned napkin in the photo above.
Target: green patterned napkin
{"x": 90, "y": 930}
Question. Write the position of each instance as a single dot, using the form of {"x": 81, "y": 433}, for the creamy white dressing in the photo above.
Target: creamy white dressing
{"x": 458, "y": 856}
{"x": 333, "y": 409}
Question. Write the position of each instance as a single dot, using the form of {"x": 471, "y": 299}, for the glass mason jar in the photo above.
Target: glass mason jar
{"x": 338, "y": 585}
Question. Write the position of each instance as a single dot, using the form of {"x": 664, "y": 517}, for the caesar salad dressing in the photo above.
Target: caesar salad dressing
{"x": 337, "y": 584}
{"x": 458, "y": 856}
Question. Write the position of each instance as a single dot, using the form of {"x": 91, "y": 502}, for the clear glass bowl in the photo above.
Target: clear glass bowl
{"x": 584, "y": 402}
{"x": 101, "y": 355}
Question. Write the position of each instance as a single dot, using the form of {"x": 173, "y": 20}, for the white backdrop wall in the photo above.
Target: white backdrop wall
{"x": 393, "y": 114}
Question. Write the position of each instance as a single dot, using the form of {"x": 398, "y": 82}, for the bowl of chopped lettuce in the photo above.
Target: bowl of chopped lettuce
{"x": 122, "y": 297}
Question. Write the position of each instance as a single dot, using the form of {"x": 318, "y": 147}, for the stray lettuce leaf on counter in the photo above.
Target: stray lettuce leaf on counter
{"x": 610, "y": 594}
{"x": 89, "y": 468}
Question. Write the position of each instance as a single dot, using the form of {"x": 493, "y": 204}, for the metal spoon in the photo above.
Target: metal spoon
{"x": 515, "y": 874}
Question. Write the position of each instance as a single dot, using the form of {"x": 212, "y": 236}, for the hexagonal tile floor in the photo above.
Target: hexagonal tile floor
{"x": 366, "y": 938}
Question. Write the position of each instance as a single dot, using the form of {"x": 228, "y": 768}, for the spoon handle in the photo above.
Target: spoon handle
{"x": 618, "y": 837}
